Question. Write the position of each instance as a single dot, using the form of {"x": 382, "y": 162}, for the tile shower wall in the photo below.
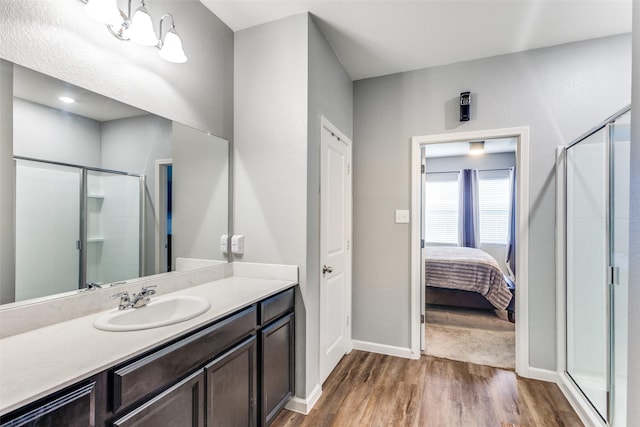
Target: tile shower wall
{"x": 113, "y": 229}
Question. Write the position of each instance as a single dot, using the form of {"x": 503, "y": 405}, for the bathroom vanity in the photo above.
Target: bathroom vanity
{"x": 232, "y": 365}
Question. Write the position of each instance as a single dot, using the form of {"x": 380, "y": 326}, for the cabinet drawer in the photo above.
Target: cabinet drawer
{"x": 71, "y": 407}
{"x": 180, "y": 405}
{"x": 161, "y": 368}
{"x": 276, "y": 306}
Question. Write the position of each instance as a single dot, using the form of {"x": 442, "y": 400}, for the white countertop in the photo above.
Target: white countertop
{"x": 36, "y": 363}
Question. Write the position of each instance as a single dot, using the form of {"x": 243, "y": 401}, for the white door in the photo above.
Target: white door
{"x": 335, "y": 258}
{"x": 423, "y": 297}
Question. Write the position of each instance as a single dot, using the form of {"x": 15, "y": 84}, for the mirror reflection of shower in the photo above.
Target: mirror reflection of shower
{"x": 75, "y": 225}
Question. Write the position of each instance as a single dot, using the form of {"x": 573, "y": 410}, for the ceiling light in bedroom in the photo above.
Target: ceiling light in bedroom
{"x": 476, "y": 148}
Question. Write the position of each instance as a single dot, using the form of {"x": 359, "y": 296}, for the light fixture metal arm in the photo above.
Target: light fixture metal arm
{"x": 173, "y": 26}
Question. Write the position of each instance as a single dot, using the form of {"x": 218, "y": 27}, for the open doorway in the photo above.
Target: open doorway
{"x": 163, "y": 214}
{"x": 505, "y": 175}
{"x": 468, "y": 230}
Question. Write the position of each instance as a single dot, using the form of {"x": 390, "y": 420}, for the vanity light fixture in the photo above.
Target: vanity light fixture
{"x": 476, "y": 148}
{"x": 171, "y": 45}
{"x": 137, "y": 27}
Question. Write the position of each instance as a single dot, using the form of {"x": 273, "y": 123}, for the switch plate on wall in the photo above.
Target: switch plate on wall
{"x": 402, "y": 216}
{"x": 237, "y": 244}
{"x": 224, "y": 243}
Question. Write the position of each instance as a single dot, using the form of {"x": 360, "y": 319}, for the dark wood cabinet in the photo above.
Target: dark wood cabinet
{"x": 71, "y": 407}
{"x": 141, "y": 378}
{"x": 179, "y": 406}
{"x": 236, "y": 371}
{"x": 276, "y": 367}
{"x": 231, "y": 398}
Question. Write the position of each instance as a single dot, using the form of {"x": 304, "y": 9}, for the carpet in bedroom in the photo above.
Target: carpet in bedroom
{"x": 468, "y": 335}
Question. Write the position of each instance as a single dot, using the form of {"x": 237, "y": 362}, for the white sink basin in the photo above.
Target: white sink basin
{"x": 161, "y": 311}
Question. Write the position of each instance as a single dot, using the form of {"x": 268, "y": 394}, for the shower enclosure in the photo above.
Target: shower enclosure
{"x": 75, "y": 225}
{"x": 596, "y": 174}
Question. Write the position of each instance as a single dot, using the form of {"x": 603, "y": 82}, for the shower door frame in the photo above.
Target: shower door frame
{"x": 83, "y": 191}
{"x": 585, "y": 409}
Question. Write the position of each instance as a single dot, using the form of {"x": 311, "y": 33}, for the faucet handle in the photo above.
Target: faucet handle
{"x": 125, "y": 299}
{"x": 122, "y": 295}
{"x": 147, "y": 290}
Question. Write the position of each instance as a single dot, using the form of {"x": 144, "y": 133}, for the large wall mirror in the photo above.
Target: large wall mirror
{"x": 105, "y": 192}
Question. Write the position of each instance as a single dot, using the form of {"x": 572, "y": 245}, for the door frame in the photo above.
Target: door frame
{"x": 522, "y": 230}
{"x": 326, "y": 124}
{"x": 160, "y": 211}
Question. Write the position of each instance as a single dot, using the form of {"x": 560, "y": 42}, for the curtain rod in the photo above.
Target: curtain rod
{"x": 479, "y": 170}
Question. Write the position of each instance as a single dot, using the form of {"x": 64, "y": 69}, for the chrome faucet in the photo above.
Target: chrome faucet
{"x": 138, "y": 300}
{"x": 142, "y": 298}
{"x": 125, "y": 300}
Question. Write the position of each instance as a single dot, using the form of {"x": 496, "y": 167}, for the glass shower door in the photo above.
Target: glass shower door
{"x": 47, "y": 229}
{"x": 619, "y": 244}
{"x": 588, "y": 338}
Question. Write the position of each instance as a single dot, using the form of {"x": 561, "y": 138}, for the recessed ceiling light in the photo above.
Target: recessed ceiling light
{"x": 67, "y": 100}
{"x": 476, "y": 148}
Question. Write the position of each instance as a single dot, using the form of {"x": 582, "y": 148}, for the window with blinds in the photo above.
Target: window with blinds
{"x": 493, "y": 188}
{"x": 441, "y": 208}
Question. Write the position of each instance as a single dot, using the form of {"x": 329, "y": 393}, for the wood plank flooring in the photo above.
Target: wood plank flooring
{"x": 368, "y": 389}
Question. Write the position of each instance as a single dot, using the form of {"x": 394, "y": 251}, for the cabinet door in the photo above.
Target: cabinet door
{"x": 71, "y": 407}
{"x": 180, "y": 405}
{"x": 276, "y": 367}
{"x": 231, "y": 387}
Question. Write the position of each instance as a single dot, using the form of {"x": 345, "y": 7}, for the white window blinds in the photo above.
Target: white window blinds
{"x": 494, "y": 206}
{"x": 441, "y": 202}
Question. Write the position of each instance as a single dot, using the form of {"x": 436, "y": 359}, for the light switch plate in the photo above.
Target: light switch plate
{"x": 402, "y": 216}
{"x": 224, "y": 244}
{"x": 237, "y": 244}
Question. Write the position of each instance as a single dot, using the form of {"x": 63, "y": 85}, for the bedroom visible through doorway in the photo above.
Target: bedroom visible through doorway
{"x": 467, "y": 238}
{"x": 468, "y": 245}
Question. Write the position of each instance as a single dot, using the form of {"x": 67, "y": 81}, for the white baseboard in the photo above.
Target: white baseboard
{"x": 304, "y": 406}
{"x": 542, "y": 375}
{"x": 389, "y": 350}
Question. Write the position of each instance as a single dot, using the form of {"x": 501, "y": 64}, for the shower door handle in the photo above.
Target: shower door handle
{"x": 613, "y": 275}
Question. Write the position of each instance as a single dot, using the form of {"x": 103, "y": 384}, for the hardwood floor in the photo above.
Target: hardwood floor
{"x": 368, "y": 389}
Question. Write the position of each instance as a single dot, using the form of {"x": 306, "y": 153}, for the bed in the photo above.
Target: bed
{"x": 467, "y": 277}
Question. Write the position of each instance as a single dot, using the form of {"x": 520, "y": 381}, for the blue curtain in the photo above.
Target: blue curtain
{"x": 469, "y": 190}
{"x": 510, "y": 257}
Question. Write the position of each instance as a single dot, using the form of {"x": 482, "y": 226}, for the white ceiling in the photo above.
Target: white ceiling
{"x": 45, "y": 90}
{"x": 374, "y": 38}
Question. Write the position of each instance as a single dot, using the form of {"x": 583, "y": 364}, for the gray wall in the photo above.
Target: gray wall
{"x": 560, "y": 92}
{"x": 270, "y": 158}
{"x": 7, "y": 185}
{"x": 56, "y": 38}
{"x": 286, "y": 77}
{"x": 50, "y": 134}
{"x": 200, "y": 194}
{"x": 633, "y": 410}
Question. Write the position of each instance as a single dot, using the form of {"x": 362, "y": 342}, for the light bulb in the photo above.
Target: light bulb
{"x": 105, "y": 11}
{"x": 172, "y": 48}
{"x": 141, "y": 28}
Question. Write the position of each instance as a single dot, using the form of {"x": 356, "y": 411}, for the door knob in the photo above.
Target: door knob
{"x": 326, "y": 269}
